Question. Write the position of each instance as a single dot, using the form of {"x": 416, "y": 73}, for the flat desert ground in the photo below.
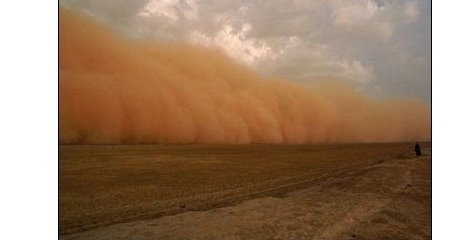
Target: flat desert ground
{"x": 343, "y": 191}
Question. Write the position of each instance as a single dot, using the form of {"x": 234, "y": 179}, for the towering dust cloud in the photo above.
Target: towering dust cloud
{"x": 114, "y": 90}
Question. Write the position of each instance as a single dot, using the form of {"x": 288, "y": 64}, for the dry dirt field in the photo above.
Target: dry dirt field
{"x": 350, "y": 191}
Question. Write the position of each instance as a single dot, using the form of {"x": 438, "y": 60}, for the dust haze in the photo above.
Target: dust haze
{"x": 116, "y": 90}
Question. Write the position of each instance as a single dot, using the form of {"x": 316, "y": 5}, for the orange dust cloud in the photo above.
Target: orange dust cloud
{"x": 115, "y": 90}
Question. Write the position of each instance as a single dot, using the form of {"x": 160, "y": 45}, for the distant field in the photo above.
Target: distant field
{"x": 101, "y": 185}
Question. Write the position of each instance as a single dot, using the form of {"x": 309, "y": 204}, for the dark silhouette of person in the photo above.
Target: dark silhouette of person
{"x": 417, "y": 150}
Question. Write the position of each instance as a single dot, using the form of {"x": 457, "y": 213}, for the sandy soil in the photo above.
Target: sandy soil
{"x": 362, "y": 191}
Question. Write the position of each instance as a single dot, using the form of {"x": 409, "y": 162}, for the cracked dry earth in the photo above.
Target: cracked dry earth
{"x": 385, "y": 199}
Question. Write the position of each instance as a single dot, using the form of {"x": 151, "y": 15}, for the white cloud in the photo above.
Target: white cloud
{"x": 355, "y": 71}
{"x": 161, "y": 8}
{"x": 236, "y": 44}
{"x": 293, "y": 41}
{"x": 171, "y": 9}
{"x": 353, "y": 12}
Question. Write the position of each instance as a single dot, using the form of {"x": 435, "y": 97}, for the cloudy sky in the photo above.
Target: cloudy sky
{"x": 383, "y": 47}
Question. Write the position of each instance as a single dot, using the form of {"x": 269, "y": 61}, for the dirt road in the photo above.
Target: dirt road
{"x": 365, "y": 191}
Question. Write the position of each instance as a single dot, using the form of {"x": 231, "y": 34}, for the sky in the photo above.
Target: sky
{"x": 380, "y": 47}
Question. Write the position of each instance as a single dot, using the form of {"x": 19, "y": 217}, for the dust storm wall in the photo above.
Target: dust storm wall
{"x": 116, "y": 90}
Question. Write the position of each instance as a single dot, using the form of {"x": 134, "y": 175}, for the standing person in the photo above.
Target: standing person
{"x": 417, "y": 150}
